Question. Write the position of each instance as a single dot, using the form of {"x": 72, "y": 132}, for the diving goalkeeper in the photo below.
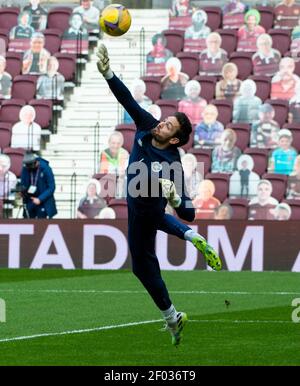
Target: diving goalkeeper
{"x": 155, "y": 178}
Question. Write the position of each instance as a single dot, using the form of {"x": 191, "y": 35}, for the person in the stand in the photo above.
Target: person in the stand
{"x": 283, "y": 157}
{"x": 261, "y": 207}
{"x": 245, "y": 107}
{"x": 223, "y": 212}
{"x": 199, "y": 29}
{"x": 248, "y": 34}
{"x": 180, "y": 8}
{"x": 234, "y": 6}
{"x": 38, "y": 187}
{"x": 225, "y": 155}
{"x": 266, "y": 60}
{"x": 38, "y": 15}
{"x": 282, "y": 212}
{"x": 229, "y": 87}
{"x": 138, "y": 91}
{"x": 205, "y": 203}
{"x": 159, "y": 52}
{"x": 114, "y": 159}
{"x": 23, "y": 30}
{"x": 208, "y": 132}
{"x": 193, "y": 105}
{"x": 8, "y": 179}
{"x": 35, "y": 59}
{"x": 192, "y": 174}
{"x": 286, "y": 14}
{"x": 173, "y": 83}
{"x": 90, "y": 14}
{"x": 293, "y": 189}
{"x": 213, "y": 58}
{"x": 51, "y": 85}
{"x": 285, "y": 82}
{"x": 5, "y": 80}
{"x": 91, "y": 204}
{"x": 264, "y": 132}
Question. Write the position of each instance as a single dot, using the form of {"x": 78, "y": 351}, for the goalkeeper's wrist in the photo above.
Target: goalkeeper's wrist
{"x": 176, "y": 202}
{"x": 108, "y": 74}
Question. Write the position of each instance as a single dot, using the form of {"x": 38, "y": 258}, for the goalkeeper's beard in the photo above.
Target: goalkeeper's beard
{"x": 158, "y": 139}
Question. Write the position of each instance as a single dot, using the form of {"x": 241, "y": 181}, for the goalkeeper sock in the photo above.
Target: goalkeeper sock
{"x": 170, "y": 315}
{"x": 190, "y": 235}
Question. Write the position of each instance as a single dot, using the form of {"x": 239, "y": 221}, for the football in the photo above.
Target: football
{"x": 115, "y": 20}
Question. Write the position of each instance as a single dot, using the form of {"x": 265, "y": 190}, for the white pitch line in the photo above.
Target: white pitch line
{"x": 88, "y": 330}
{"x": 63, "y": 291}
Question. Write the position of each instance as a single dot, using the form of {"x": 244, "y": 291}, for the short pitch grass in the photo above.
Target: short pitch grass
{"x": 56, "y": 317}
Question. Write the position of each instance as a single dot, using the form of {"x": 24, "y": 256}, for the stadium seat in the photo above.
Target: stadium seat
{"x": 203, "y": 156}
{"x": 10, "y": 110}
{"x": 243, "y": 61}
{"x": 279, "y": 183}
{"x": 208, "y": 86}
{"x": 295, "y": 206}
{"x": 16, "y": 156}
{"x": 281, "y": 39}
{"x": 229, "y": 40}
{"x": 52, "y": 40}
{"x": 190, "y": 63}
{"x": 225, "y": 110}
{"x": 120, "y": 207}
{"x": 13, "y": 63}
{"x": 266, "y": 16}
{"x": 128, "y": 132}
{"x": 221, "y": 181}
{"x": 67, "y": 66}
{"x": 5, "y": 135}
{"x": 24, "y": 87}
{"x": 243, "y": 134}
{"x": 43, "y": 109}
{"x": 260, "y": 158}
{"x": 175, "y": 40}
{"x": 295, "y": 129}
{"x": 9, "y": 18}
{"x": 58, "y": 18}
{"x": 281, "y": 108}
{"x": 239, "y": 208}
{"x": 108, "y": 184}
{"x": 168, "y": 107}
{"x": 263, "y": 86}
{"x": 153, "y": 87}
{"x": 214, "y": 17}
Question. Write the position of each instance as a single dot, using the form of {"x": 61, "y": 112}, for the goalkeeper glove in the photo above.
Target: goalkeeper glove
{"x": 103, "y": 62}
{"x": 169, "y": 192}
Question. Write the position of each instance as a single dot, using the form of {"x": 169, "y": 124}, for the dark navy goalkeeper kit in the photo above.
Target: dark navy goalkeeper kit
{"x": 146, "y": 214}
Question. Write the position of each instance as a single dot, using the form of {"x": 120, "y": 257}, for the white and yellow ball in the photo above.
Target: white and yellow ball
{"x": 115, "y": 20}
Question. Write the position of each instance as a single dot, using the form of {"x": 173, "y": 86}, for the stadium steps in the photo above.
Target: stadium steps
{"x": 72, "y": 148}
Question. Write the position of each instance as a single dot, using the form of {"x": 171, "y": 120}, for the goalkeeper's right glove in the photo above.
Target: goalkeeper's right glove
{"x": 103, "y": 62}
{"x": 169, "y": 192}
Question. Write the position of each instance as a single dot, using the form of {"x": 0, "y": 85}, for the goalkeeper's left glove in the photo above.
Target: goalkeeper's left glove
{"x": 103, "y": 62}
{"x": 169, "y": 192}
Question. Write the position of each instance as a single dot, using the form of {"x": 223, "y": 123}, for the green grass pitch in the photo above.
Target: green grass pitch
{"x": 95, "y": 318}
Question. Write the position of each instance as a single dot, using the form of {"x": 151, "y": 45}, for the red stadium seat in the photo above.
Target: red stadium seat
{"x": 260, "y": 158}
{"x": 16, "y": 156}
{"x": 190, "y": 143}
{"x": 52, "y": 40}
{"x": 9, "y": 18}
{"x": 208, "y": 86}
{"x": 13, "y": 63}
{"x": 58, "y": 18}
{"x": 295, "y": 129}
{"x": 203, "y": 156}
{"x": 5, "y": 135}
{"x": 43, "y": 109}
{"x": 279, "y": 183}
{"x": 229, "y": 40}
{"x": 281, "y": 108}
{"x": 281, "y": 39}
{"x": 120, "y": 207}
{"x": 225, "y": 110}
{"x": 243, "y": 134}
{"x": 10, "y": 110}
{"x": 239, "y": 208}
{"x": 214, "y": 17}
{"x": 168, "y": 107}
{"x": 295, "y": 206}
{"x": 243, "y": 61}
{"x": 175, "y": 40}
{"x": 128, "y": 132}
{"x": 190, "y": 63}
{"x": 266, "y": 16}
{"x": 67, "y": 66}
{"x": 24, "y": 87}
{"x": 153, "y": 87}
{"x": 221, "y": 181}
{"x": 263, "y": 86}
{"x": 4, "y": 37}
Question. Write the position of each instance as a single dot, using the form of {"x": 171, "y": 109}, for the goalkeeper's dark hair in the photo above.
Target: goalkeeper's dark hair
{"x": 183, "y": 134}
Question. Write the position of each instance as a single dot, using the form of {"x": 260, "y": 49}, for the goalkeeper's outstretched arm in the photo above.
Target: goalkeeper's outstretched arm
{"x": 142, "y": 119}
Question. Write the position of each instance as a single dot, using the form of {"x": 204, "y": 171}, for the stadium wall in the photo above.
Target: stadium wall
{"x": 71, "y": 244}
